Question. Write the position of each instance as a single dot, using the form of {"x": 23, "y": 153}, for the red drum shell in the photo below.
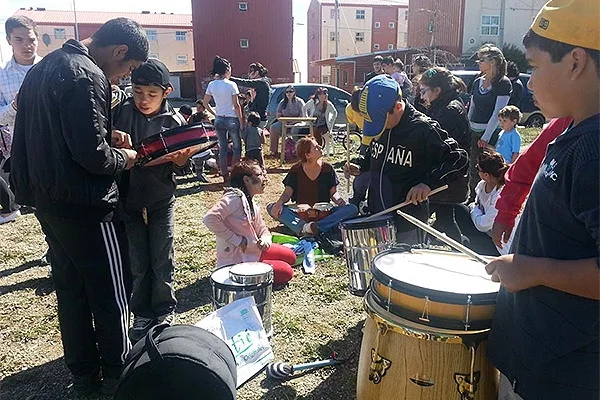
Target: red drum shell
{"x": 153, "y": 149}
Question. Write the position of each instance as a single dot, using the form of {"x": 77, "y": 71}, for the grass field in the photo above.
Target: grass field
{"x": 314, "y": 316}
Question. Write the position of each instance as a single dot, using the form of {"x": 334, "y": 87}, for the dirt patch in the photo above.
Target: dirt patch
{"x": 314, "y": 316}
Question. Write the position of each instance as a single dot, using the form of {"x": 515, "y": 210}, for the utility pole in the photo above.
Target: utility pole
{"x": 337, "y": 42}
{"x": 501, "y": 28}
{"x": 76, "y": 25}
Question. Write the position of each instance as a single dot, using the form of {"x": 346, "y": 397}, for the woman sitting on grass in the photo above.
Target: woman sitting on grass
{"x": 242, "y": 235}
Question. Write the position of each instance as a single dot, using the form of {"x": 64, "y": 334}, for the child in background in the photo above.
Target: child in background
{"x": 254, "y": 138}
{"x": 509, "y": 141}
{"x": 242, "y": 235}
{"x": 491, "y": 168}
{"x": 149, "y": 201}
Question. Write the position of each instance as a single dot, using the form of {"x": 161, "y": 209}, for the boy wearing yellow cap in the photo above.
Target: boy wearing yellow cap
{"x": 545, "y": 333}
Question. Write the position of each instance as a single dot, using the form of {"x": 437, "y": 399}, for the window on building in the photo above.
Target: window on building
{"x": 326, "y": 79}
{"x": 243, "y": 6}
{"x": 151, "y": 34}
{"x": 332, "y": 36}
{"x": 376, "y": 46}
{"x": 390, "y": 47}
{"x": 180, "y": 36}
{"x": 360, "y": 36}
{"x": 332, "y": 13}
{"x": 406, "y": 15}
{"x": 332, "y": 55}
{"x": 360, "y": 14}
{"x": 244, "y": 43}
{"x": 391, "y": 25}
{"x": 59, "y": 33}
{"x": 182, "y": 59}
{"x": 377, "y": 24}
{"x": 490, "y": 25}
{"x": 405, "y": 37}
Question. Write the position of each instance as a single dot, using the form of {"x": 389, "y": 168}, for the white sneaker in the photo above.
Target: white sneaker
{"x": 10, "y": 217}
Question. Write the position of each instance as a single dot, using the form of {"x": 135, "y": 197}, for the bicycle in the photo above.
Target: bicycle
{"x": 339, "y": 136}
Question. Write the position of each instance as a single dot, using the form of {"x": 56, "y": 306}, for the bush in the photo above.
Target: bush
{"x": 513, "y": 53}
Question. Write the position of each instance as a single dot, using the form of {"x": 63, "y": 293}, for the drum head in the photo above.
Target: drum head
{"x": 194, "y": 149}
{"x": 258, "y": 269}
{"x": 221, "y": 276}
{"x": 325, "y": 206}
{"x": 363, "y": 223}
{"x": 428, "y": 272}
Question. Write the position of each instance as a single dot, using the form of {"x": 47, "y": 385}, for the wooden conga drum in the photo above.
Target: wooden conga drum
{"x": 425, "y": 337}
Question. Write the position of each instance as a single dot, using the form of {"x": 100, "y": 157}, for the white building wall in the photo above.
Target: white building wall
{"x": 518, "y": 15}
{"x": 402, "y": 26}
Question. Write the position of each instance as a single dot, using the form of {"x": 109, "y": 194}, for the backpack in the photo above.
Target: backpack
{"x": 178, "y": 362}
{"x": 290, "y": 150}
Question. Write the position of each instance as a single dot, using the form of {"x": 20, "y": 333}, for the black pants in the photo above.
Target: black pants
{"x": 445, "y": 220}
{"x": 7, "y": 198}
{"x": 93, "y": 285}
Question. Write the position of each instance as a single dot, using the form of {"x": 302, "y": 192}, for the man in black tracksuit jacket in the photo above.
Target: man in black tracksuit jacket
{"x": 64, "y": 166}
{"x": 409, "y": 156}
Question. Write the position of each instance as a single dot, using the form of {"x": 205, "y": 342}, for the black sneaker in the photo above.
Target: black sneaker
{"x": 109, "y": 386}
{"x": 86, "y": 386}
{"x": 141, "y": 326}
{"x": 329, "y": 245}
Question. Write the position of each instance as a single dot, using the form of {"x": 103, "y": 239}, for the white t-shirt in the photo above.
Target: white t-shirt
{"x": 222, "y": 91}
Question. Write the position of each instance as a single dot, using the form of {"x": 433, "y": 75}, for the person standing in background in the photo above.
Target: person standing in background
{"x": 22, "y": 36}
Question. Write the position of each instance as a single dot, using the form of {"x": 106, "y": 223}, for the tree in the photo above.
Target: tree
{"x": 513, "y": 53}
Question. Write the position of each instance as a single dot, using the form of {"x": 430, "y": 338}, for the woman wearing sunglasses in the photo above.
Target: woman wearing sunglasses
{"x": 490, "y": 93}
{"x": 324, "y": 111}
{"x": 439, "y": 90}
{"x": 289, "y": 106}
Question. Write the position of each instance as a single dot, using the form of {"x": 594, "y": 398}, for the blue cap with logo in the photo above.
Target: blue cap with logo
{"x": 377, "y": 98}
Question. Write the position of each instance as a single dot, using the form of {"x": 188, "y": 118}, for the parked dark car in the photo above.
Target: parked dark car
{"x": 532, "y": 116}
{"x": 339, "y": 97}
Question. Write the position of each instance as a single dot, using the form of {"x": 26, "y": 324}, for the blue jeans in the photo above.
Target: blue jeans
{"x": 228, "y": 127}
{"x": 338, "y": 214}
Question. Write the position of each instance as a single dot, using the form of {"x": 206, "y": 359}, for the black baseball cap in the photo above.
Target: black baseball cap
{"x": 151, "y": 73}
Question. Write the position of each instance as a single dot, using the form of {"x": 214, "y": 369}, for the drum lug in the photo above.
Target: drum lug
{"x": 467, "y": 316}
{"x": 465, "y": 387}
{"x": 425, "y": 314}
{"x": 378, "y": 367}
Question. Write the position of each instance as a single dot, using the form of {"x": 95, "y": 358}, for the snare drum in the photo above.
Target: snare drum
{"x": 312, "y": 214}
{"x": 196, "y": 138}
{"x": 363, "y": 240}
{"x": 425, "y": 338}
{"x": 435, "y": 288}
{"x": 244, "y": 280}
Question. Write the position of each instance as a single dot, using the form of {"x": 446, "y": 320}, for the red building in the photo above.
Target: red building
{"x": 243, "y": 32}
{"x": 436, "y": 23}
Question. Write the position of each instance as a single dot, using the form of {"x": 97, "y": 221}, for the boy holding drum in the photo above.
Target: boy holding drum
{"x": 544, "y": 337}
{"x": 149, "y": 199}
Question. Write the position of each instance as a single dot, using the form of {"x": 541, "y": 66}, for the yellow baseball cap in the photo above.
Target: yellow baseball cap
{"x": 573, "y": 22}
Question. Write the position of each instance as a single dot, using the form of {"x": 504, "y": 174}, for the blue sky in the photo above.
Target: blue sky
{"x": 300, "y": 8}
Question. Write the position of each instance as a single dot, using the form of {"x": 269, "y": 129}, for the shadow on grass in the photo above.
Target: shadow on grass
{"x": 44, "y": 382}
{"x": 42, "y": 286}
{"x": 340, "y": 384}
{"x": 195, "y": 295}
{"x": 23, "y": 267}
{"x": 199, "y": 187}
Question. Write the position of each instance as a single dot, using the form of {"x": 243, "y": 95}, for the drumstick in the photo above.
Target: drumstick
{"x": 439, "y": 235}
{"x": 405, "y": 203}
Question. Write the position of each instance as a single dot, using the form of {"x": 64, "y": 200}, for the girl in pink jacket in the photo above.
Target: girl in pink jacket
{"x": 242, "y": 235}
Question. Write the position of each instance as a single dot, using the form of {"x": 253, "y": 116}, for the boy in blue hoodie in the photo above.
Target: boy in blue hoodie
{"x": 149, "y": 199}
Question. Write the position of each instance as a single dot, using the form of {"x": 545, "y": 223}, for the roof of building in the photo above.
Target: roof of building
{"x": 367, "y": 3}
{"x": 53, "y": 17}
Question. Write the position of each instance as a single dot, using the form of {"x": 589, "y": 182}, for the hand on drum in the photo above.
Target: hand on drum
{"x": 181, "y": 157}
{"x": 482, "y": 144}
{"x": 351, "y": 169}
{"x": 500, "y": 234}
{"x": 131, "y": 158}
{"x": 121, "y": 140}
{"x": 276, "y": 210}
{"x": 418, "y": 193}
{"x": 514, "y": 271}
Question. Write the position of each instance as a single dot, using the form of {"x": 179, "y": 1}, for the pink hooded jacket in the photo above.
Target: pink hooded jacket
{"x": 230, "y": 219}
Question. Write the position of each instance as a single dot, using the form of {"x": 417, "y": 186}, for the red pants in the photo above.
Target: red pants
{"x": 281, "y": 259}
